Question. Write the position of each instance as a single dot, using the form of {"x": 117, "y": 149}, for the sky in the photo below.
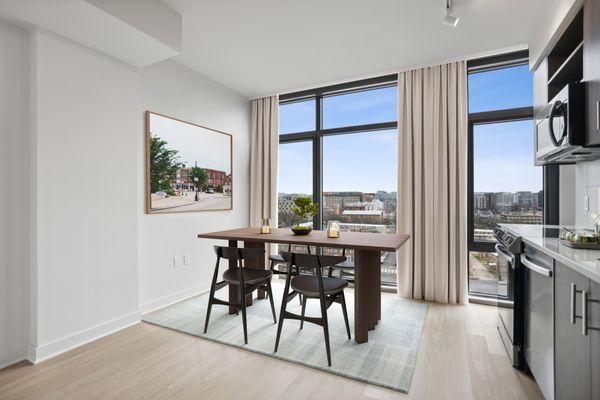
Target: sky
{"x": 208, "y": 148}
{"x": 367, "y": 161}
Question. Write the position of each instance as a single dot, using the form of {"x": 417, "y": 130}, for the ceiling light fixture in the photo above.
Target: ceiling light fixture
{"x": 450, "y": 19}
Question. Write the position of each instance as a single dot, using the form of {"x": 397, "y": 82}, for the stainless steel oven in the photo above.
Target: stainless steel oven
{"x": 510, "y": 295}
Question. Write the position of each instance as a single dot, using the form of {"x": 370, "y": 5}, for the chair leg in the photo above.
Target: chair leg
{"x": 270, "y": 293}
{"x": 242, "y": 297}
{"x": 208, "y": 313}
{"x": 282, "y": 312}
{"x": 326, "y": 330}
{"x": 343, "y": 298}
{"x": 300, "y": 298}
{"x": 211, "y": 296}
{"x": 303, "y": 311}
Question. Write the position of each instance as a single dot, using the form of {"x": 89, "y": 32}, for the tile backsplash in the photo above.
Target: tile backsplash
{"x": 587, "y": 192}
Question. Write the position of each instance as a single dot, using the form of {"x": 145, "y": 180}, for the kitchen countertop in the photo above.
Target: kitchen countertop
{"x": 586, "y": 262}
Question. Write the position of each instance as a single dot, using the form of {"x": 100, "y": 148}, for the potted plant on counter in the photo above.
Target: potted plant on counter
{"x": 304, "y": 209}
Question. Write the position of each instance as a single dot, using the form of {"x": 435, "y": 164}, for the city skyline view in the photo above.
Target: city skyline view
{"x": 368, "y": 161}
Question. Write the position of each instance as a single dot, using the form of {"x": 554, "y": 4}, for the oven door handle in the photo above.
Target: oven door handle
{"x": 509, "y": 257}
{"x": 534, "y": 267}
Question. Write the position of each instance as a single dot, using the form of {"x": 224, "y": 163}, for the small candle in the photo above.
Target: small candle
{"x": 265, "y": 228}
{"x": 333, "y": 229}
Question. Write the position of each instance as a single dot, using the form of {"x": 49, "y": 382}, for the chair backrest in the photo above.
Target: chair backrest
{"x": 302, "y": 260}
{"x": 238, "y": 253}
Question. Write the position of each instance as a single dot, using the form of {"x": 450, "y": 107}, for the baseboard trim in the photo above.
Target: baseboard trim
{"x": 173, "y": 298}
{"x": 7, "y": 364}
{"x": 43, "y": 352}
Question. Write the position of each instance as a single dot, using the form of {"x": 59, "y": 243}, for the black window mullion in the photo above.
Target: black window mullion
{"x": 318, "y": 162}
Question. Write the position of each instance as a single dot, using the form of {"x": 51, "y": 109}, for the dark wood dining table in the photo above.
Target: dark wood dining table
{"x": 367, "y": 260}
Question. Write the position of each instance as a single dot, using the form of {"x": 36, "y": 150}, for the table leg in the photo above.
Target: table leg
{"x": 256, "y": 263}
{"x": 377, "y": 288}
{"x": 233, "y": 293}
{"x": 366, "y": 292}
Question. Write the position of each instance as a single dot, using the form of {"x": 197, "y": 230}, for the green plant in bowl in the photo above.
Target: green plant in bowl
{"x": 304, "y": 209}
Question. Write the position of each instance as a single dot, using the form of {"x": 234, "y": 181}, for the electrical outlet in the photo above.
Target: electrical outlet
{"x": 176, "y": 261}
{"x": 186, "y": 259}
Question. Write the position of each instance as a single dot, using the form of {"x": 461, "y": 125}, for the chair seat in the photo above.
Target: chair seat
{"x": 309, "y": 285}
{"x": 345, "y": 265}
{"x": 276, "y": 258}
{"x": 232, "y": 275}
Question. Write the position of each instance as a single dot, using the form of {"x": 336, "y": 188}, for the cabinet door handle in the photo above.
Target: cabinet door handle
{"x": 597, "y": 115}
{"x": 573, "y": 292}
{"x": 584, "y": 326}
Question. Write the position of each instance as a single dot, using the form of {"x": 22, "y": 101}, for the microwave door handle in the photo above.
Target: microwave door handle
{"x": 555, "y": 107}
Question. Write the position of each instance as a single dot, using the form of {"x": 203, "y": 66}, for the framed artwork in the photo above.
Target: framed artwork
{"x": 188, "y": 166}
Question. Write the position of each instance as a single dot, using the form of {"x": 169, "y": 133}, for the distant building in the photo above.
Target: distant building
{"x": 530, "y": 217}
{"x": 364, "y": 216}
{"x": 183, "y": 182}
{"x": 216, "y": 178}
{"x": 335, "y": 201}
{"x": 480, "y": 201}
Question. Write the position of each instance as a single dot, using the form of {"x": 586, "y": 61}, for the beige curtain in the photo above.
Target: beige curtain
{"x": 264, "y": 155}
{"x": 432, "y": 183}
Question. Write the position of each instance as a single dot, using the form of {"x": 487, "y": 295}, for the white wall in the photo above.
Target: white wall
{"x": 176, "y": 91}
{"x": 88, "y": 155}
{"x": 587, "y": 178}
{"x": 14, "y": 193}
{"x": 80, "y": 258}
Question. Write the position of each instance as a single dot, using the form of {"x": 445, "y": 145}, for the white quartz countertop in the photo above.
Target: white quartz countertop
{"x": 586, "y": 262}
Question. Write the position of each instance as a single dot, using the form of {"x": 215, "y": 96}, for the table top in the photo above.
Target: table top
{"x": 352, "y": 240}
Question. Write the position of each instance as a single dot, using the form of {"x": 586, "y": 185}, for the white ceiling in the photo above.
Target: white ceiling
{"x": 260, "y": 47}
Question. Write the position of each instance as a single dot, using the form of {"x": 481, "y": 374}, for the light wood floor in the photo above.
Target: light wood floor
{"x": 461, "y": 357}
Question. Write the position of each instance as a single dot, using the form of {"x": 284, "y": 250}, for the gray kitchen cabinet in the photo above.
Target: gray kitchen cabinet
{"x": 591, "y": 69}
{"x": 594, "y": 333}
{"x": 573, "y": 376}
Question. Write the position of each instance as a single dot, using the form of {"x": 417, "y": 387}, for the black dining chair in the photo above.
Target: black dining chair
{"x": 277, "y": 260}
{"x": 327, "y": 290}
{"x": 247, "y": 281}
{"x": 346, "y": 269}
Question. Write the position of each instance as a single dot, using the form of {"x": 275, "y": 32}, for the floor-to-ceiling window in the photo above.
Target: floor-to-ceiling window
{"x": 344, "y": 137}
{"x": 504, "y": 184}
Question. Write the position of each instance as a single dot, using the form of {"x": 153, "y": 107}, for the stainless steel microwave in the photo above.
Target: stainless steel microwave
{"x": 560, "y": 128}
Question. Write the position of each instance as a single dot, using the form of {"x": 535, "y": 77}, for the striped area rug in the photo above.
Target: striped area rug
{"x": 387, "y": 360}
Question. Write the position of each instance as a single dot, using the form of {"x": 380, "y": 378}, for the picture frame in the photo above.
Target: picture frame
{"x": 189, "y": 167}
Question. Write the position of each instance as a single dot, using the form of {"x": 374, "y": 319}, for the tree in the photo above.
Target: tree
{"x": 199, "y": 177}
{"x": 164, "y": 164}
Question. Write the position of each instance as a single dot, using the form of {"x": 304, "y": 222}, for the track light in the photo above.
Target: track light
{"x": 450, "y": 19}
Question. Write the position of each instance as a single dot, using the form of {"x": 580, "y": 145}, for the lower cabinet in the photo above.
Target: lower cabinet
{"x": 571, "y": 347}
{"x": 594, "y": 333}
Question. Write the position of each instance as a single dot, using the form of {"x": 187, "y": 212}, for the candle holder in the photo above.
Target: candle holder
{"x": 333, "y": 229}
{"x": 265, "y": 226}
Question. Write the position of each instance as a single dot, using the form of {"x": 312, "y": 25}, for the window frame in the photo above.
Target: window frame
{"x": 550, "y": 172}
{"x": 316, "y": 136}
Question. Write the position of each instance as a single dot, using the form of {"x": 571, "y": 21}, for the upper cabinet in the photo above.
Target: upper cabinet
{"x": 567, "y": 92}
{"x": 565, "y": 60}
{"x": 591, "y": 70}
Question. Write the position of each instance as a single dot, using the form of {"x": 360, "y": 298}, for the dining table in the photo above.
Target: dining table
{"x": 367, "y": 249}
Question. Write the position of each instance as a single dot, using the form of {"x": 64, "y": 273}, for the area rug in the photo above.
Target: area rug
{"x": 387, "y": 360}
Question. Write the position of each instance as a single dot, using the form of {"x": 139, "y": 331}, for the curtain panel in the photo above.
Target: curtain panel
{"x": 264, "y": 153}
{"x": 432, "y": 183}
